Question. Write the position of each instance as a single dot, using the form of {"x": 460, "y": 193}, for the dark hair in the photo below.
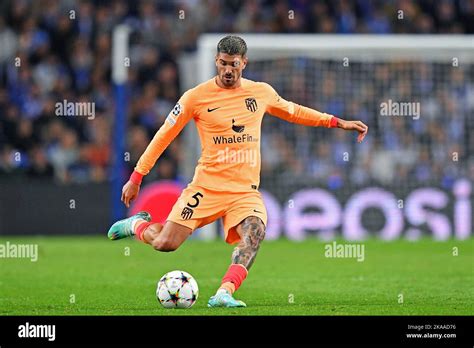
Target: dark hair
{"x": 232, "y": 45}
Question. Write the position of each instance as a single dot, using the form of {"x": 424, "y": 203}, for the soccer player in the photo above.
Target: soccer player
{"x": 228, "y": 112}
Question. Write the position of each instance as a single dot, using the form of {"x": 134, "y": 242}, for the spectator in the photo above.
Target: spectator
{"x": 39, "y": 166}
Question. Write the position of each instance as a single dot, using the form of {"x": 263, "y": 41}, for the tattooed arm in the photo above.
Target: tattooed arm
{"x": 252, "y": 232}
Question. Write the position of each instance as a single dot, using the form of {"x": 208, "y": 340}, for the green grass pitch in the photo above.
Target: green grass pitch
{"x": 287, "y": 278}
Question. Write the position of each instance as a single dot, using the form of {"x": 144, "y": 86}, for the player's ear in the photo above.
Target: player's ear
{"x": 245, "y": 61}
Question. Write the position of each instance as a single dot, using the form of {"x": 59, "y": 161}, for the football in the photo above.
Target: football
{"x": 177, "y": 289}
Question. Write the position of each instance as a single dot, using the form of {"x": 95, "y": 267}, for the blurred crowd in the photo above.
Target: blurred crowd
{"x": 52, "y": 51}
{"x": 433, "y": 145}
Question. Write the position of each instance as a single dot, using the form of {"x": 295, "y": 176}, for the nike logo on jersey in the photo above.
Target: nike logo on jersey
{"x": 257, "y": 211}
{"x": 211, "y": 110}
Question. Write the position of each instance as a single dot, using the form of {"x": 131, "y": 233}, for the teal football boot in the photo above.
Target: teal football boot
{"x": 224, "y": 299}
{"x": 123, "y": 228}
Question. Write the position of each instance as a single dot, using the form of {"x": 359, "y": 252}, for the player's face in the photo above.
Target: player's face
{"x": 229, "y": 69}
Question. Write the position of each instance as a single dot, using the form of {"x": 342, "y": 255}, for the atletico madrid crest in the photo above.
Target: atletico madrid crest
{"x": 187, "y": 213}
{"x": 251, "y": 104}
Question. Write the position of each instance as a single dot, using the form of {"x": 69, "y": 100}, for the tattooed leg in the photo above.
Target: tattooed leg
{"x": 251, "y": 231}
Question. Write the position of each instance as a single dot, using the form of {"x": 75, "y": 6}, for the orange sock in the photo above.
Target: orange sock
{"x": 234, "y": 277}
{"x": 140, "y": 228}
{"x": 228, "y": 286}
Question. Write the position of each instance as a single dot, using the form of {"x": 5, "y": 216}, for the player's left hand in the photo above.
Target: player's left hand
{"x": 359, "y": 126}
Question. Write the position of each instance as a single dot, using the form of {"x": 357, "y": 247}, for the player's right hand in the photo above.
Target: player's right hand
{"x": 129, "y": 193}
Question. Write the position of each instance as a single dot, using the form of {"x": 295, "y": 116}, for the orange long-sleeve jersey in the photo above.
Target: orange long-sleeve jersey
{"x": 229, "y": 124}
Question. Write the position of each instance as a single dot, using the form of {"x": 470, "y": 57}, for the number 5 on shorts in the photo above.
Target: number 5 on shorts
{"x": 196, "y": 198}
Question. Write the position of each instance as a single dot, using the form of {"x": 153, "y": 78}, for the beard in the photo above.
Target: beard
{"x": 228, "y": 82}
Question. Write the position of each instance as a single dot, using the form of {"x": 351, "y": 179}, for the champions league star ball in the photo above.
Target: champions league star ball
{"x": 177, "y": 289}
